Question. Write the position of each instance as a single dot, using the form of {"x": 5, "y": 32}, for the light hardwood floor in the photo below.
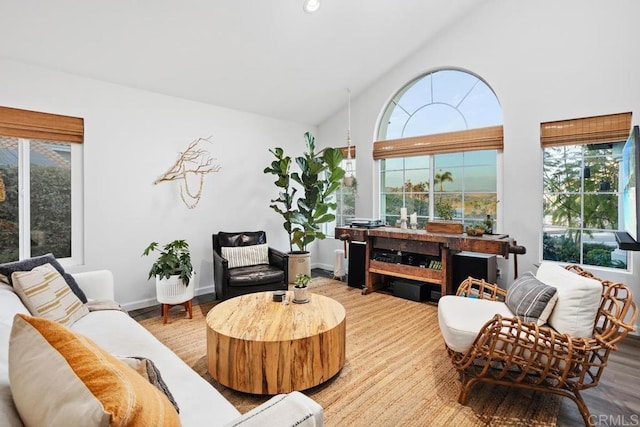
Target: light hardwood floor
{"x": 614, "y": 402}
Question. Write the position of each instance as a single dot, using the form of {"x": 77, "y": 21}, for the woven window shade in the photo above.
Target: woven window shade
{"x": 35, "y": 125}
{"x": 588, "y": 130}
{"x": 488, "y": 138}
{"x": 344, "y": 152}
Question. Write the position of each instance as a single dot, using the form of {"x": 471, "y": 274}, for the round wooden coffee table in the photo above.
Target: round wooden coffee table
{"x": 260, "y": 346}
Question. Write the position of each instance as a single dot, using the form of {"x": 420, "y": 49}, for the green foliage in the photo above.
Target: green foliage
{"x": 566, "y": 248}
{"x": 478, "y": 226}
{"x": 599, "y": 256}
{"x": 441, "y": 177}
{"x": 174, "y": 259}
{"x": 286, "y": 196}
{"x": 560, "y": 248}
{"x": 580, "y": 185}
{"x": 319, "y": 176}
{"x": 302, "y": 280}
{"x": 50, "y": 213}
{"x": 444, "y": 209}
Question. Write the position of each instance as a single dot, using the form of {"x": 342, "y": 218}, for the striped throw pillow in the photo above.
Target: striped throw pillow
{"x": 242, "y": 256}
{"x": 530, "y": 299}
{"x": 46, "y": 294}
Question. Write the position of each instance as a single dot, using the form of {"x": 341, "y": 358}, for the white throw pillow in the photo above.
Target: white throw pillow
{"x": 578, "y": 300}
{"x": 46, "y": 294}
{"x": 242, "y": 256}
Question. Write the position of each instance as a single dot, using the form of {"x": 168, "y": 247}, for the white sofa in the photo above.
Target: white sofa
{"x": 116, "y": 332}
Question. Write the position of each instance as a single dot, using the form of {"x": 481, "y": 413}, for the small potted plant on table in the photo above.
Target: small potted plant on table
{"x": 475, "y": 229}
{"x": 445, "y": 211}
{"x": 300, "y": 288}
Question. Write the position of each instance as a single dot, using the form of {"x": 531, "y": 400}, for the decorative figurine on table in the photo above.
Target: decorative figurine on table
{"x": 488, "y": 225}
{"x": 413, "y": 222}
{"x": 403, "y": 218}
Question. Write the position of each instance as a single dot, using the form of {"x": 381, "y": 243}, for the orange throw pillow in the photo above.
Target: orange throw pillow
{"x": 58, "y": 377}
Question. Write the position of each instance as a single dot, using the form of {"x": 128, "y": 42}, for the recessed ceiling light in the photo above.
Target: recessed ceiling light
{"x": 311, "y": 6}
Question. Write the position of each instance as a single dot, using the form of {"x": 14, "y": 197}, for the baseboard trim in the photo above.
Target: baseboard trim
{"x": 150, "y": 302}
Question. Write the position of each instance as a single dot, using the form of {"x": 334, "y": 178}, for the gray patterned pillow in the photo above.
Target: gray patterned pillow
{"x": 150, "y": 372}
{"x": 530, "y": 299}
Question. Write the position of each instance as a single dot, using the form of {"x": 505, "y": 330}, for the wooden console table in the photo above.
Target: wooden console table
{"x": 424, "y": 245}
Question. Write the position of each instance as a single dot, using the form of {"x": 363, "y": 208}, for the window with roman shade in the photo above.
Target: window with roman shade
{"x": 44, "y": 126}
{"x": 488, "y": 138}
{"x": 40, "y": 194}
{"x": 581, "y": 163}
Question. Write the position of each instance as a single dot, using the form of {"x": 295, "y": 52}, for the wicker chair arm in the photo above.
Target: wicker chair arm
{"x": 475, "y": 288}
{"x": 617, "y": 315}
{"x": 521, "y": 350}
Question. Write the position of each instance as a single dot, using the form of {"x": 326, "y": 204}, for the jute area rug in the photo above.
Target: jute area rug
{"x": 397, "y": 371}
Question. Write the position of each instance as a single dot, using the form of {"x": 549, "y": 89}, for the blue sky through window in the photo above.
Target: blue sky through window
{"x": 442, "y": 101}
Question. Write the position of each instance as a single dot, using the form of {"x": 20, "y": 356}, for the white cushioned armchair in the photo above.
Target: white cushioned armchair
{"x": 551, "y": 332}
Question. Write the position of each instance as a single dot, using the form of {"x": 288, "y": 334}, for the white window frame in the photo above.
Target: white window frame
{"x": 582, "y": 229}
{"x": 77, "y": 202}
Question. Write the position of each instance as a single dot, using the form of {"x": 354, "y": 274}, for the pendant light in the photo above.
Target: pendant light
{"x": 311, "y": 6}
{"x": 349, "y": 179}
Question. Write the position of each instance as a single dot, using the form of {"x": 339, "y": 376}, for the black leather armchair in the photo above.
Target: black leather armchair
{"x": 231, "y": 282}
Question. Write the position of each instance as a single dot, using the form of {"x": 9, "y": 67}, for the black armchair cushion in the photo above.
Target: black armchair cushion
{"x": 255, "y": 275}
{"x": 243, "y": 238}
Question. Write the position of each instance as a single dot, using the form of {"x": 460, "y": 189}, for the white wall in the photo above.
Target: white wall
{"x": 131, "y": 138}
{"x": 546, "y": 61}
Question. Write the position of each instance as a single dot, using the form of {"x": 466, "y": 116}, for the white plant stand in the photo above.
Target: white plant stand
{"x": 171, "y": 292}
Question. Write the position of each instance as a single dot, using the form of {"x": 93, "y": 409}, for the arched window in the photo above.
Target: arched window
{"x": 438, "y": 142}
{"x": 439, "y": 102}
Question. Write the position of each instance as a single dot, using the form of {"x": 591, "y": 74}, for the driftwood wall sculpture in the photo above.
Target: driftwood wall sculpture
{"x": 194, "y": 161}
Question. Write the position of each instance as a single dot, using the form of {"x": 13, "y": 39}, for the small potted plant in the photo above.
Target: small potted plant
{"x": 173, "y": 272}
{"x": 444, "y": 211}
{"x": 300, "y": 288}
{"x": 174, "y": 260}
{"x": 475, "y": 229}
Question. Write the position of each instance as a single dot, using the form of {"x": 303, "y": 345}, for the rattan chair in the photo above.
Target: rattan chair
{"x": 511, "y": 352}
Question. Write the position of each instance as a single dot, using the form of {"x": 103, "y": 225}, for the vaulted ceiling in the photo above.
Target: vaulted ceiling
{"x": 263, "y": 56}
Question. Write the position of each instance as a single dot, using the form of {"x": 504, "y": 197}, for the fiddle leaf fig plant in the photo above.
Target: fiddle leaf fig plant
{"x": 319, "y": 176}
{"x": 174, "y": 260}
